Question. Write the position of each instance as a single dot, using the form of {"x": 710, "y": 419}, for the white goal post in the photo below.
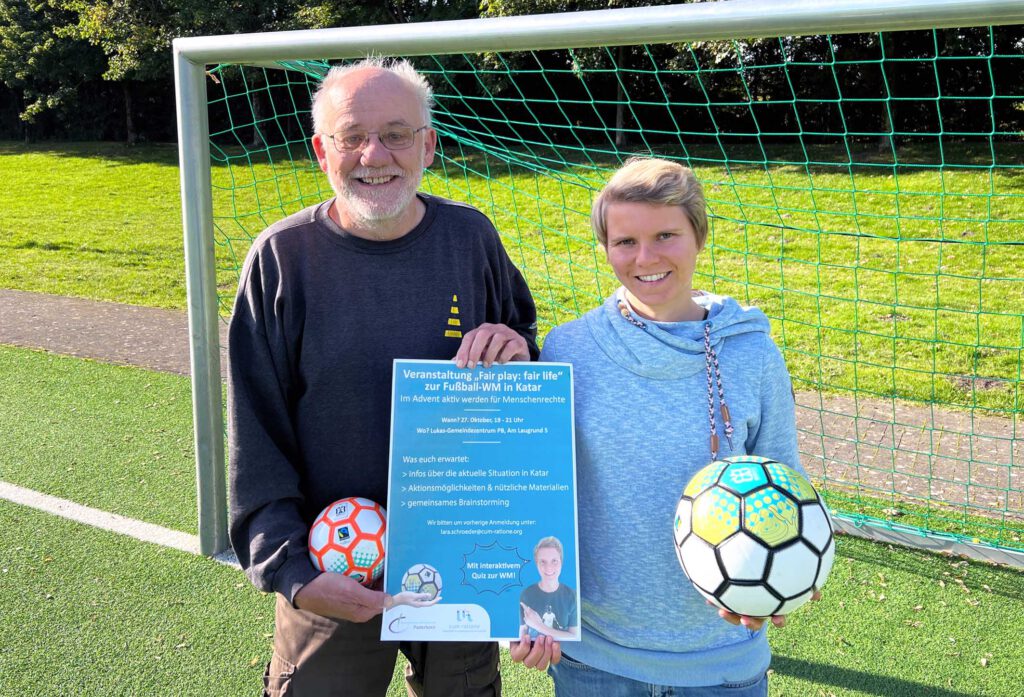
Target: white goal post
{"x": 724, "y": 20}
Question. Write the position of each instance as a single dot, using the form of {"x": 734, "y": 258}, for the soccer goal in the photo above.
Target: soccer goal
{"x": 862, "y": 162}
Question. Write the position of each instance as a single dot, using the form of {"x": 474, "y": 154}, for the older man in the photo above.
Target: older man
{"x": 327, "y": 298}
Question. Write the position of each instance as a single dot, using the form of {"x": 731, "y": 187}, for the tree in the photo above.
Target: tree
{"x": 350, "y": 13}
{"x": 136, "y": 35}
{"x": 601, "y": 64}
{"x": 46, "y": 68}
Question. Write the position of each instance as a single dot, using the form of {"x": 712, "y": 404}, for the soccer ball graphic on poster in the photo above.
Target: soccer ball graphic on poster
{"x": 753, "y": 536}
{"x": 348, "y": 537}
{"x": 422, "y": 578}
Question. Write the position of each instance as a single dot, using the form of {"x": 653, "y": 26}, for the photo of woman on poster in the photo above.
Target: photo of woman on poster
{"x": 549, "y": 606}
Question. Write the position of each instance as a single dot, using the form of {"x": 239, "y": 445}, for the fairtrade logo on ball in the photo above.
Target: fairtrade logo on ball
{"x": 348, "y": 537}
{"x": 753, "y": 536}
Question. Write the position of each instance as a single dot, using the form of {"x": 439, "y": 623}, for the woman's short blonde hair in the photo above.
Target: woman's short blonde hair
{"x": 655, "y": 181}
{"x": 551, "y": 542}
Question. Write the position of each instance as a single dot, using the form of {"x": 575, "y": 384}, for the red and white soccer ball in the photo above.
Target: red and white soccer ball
{"x": 753, "y": 536}
{"x": 348, "y": 537}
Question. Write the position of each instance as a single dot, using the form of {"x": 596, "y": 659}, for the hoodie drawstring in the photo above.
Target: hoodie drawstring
{"x": 714, "y": 372}
{"x": 711, "y": 364}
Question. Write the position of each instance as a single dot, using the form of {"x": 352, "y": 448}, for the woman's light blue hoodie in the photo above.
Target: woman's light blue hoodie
{"x": 642, "y": 430}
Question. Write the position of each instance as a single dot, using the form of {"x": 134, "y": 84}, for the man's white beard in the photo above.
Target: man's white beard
{"x": 367, "y": 208}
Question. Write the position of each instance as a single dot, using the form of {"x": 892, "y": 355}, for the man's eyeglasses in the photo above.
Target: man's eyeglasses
{"x": 394, "y": 138}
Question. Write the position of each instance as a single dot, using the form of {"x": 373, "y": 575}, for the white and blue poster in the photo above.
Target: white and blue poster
{"x": 481, "y": 503}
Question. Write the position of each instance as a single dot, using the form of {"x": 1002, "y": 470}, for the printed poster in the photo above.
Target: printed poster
{"x": 481, "y": 503}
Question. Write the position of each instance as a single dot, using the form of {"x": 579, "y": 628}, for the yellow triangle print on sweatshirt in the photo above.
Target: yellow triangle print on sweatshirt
{"x": 453, "y": 320}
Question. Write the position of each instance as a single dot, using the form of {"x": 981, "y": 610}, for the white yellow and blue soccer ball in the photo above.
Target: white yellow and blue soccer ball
{"x": 753, "y": 536}
{"x": 349, "y": 537}
{"x": 422, "y": 578}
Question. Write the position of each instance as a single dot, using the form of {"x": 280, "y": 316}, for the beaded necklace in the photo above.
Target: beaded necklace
{"x": 714, "y": 373}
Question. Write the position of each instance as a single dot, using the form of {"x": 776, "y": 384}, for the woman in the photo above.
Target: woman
{"x": 548, "y": 606}
{"x": 666, "y": 381}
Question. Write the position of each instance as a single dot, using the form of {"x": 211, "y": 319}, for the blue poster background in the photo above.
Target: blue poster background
{"x": 482, "y": 468}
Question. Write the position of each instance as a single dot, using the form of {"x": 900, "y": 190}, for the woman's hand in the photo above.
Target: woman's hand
{"x": 539, "y": 653}
{"x": 755, "y": 623}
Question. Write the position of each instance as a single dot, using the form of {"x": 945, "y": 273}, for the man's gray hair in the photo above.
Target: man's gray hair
{"x": 402, "y": 69}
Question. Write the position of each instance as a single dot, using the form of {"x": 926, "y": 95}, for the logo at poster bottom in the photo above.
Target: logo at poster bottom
{"x": 468, "y": 622}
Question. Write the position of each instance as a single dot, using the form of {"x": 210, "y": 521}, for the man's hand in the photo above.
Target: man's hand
{"x": 411, "y": 599}
{"x": 490, "y": 344}
{"x": 340, "y": 597}
{"x": 540, "y": 653}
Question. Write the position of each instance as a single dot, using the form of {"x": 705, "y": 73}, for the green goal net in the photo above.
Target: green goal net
{"x": 865, "y": 190}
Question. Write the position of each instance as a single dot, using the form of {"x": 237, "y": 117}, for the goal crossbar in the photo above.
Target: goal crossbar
{"x": 704, "y": 21}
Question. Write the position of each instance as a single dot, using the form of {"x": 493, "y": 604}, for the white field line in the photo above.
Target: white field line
{"x": 140, "y": 530}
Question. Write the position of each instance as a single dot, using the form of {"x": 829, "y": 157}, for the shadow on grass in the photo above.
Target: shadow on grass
{"x": 884, "y": 686}
{"x": 117, "y": 153}
{"x": 814, "y": 158}
{"x": 165, "y": 154}
{"x": 979, "y": 576}
{"x": 130, "y": 255}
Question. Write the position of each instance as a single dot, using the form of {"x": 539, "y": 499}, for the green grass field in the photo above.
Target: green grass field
{"x": 96, "y": 221}
{"x": 845, "y": 259}
{"x": 86, "y": 611}
{"x": 894, "y": 283}
{"x": 108, "y": 437}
